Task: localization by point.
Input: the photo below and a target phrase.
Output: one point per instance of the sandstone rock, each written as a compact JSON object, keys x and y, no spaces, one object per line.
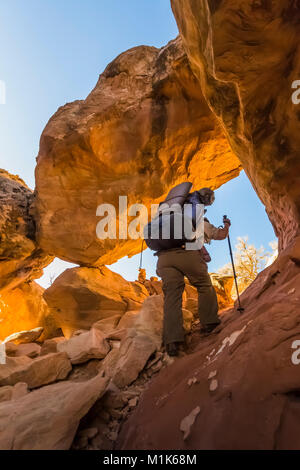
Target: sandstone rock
{"x":191,"y":304}
{"x":13,"y":364}
{"x":6,"y":393}
{"x":223,"y":286}
{"x":117,"y":335}
{"x":82,"y":348}
{"x":35,"y":372}
{"x":117,"y":414}
{"x":168,"y":361}
{"x":134,"y":353}
{"x":213,"y":385}
{"x":128,"y":320}
{"x":190,"y":291}
{"x":80,"y":297}
{"x":233,"y":64}
{"x":188,"y":319}
{"x":150,"y":319}
{"x":142,"y":276}
{"x":114,"y":400}
{"x":50,"y":345}
{"x":192,"y":381}
{"x":19,"y":390}
{"x":158,"y":357}
{"x":212,"y":374}
{"x":9,"y":392}
{"x":107,"y":325}
{"x":79,"y":332}
{"x":31,"y":350}
{"x":89,"y":433}
{"x":109,"y":363}
{"x":187,"y":423}
{"x":163,"y":132}
{"x":112,"y":436}
{"x":23,"y":337}
{"x":115,"y":344}
{"x":82,"y":442}
{"x":24,"y":308}
{"x":132,"y":392}
{"x":156,"y":367}
{"x":85,"y":371}
{"x":57,"y":410}
{"x":104,"y":416}
{"x":21,"y":258}
{"x":133,"y":402}
{"x":11,"y":349}
{"x":153,"y":286}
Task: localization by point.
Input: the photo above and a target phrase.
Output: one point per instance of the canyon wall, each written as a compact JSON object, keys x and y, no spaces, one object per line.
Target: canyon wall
{"x":246,"y":55}
{"x":21,"y":259}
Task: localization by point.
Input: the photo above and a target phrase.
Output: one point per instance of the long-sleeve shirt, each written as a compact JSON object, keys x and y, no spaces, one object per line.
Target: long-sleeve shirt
{"x":213,"y":233}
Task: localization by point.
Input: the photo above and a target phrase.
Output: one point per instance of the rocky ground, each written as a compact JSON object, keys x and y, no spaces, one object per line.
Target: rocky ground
{"x":241,"y":381}
{"x":98,"y":374}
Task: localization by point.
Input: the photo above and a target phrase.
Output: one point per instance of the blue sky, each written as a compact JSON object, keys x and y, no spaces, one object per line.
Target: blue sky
{"x":52,"y":52}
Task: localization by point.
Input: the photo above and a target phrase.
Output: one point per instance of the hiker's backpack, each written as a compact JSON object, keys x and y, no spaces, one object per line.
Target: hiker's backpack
{"x":154,"y":230}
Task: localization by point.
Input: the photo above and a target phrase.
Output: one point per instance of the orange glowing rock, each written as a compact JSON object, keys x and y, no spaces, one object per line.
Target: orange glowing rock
{"x":24,"y":308}
{"x":144,"y":128}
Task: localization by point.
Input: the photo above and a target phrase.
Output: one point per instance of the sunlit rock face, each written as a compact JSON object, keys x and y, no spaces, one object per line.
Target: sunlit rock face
{"x":20,"y":258}
{"x":246,"y":55}
{"x":223,"y":287}
{"x":24,"y":308}
{"x":80,"y":297}
{"x":144,"y":128}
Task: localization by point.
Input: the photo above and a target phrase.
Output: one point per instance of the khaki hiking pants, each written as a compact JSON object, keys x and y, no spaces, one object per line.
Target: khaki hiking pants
{"x":172,"y":266}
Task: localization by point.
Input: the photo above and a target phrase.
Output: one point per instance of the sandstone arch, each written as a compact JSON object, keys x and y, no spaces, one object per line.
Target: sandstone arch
{"x":145,"y":127}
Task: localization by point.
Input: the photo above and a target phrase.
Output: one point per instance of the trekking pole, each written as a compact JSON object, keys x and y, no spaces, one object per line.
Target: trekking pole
{"x":240,"y":309}
{"x":141,"y":256}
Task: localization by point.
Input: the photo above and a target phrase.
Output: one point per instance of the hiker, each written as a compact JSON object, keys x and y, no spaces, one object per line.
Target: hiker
{"x":176,"y":262}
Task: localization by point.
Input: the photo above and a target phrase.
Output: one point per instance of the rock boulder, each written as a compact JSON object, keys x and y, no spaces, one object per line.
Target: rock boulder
{"x":57,"y":410}
{"x":82,"y":348}
{"x":23,"y":309}
{"x":80,"y":297}
{"x":35,"y":372}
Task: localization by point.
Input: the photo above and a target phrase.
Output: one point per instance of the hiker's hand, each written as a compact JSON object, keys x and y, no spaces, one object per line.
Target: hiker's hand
{"x":226,"y":221}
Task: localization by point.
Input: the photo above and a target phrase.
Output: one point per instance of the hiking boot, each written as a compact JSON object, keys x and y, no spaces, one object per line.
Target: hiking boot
{"x":207,"y":329}
{"x":172,"y":349}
